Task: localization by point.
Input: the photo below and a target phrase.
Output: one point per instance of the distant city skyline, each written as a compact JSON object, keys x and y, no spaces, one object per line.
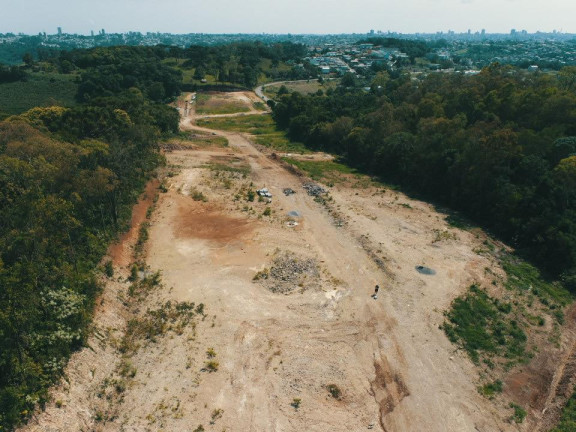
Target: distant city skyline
{"x":296,"y":16}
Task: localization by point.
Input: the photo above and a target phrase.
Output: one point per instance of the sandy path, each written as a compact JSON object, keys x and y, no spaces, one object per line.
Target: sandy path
{"x":395,"y":368}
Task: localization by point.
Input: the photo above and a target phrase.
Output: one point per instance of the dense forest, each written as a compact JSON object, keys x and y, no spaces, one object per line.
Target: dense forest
{"x":123,"y":67}
{"x":500,"y":146}
{"x":68,"y":177}
{"x":242,"y":62}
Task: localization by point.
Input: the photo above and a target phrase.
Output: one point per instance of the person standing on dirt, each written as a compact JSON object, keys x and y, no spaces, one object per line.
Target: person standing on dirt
{"x":375,"y":295}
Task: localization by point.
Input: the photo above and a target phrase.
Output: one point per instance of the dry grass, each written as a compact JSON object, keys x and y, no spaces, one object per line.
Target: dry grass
{"x":208,"y":103}
{"x":304,"y":87}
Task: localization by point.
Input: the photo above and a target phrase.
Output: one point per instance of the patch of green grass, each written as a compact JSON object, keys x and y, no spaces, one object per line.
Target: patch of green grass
{"x":568,"y":419}
{"x":279,"y":142}
{"x":525,"y":277}
{"x":490,"y":389}
{"x":215,"y":104}
{"x":304,"y":87}
{"x":329,"y":171}
{"x":235,"y":167}
{"x":260,"y":124}
{"x":39,"y":90}
{"x":483,"y":326}
{"x":197,"y":139}
{"x":519,"y":413}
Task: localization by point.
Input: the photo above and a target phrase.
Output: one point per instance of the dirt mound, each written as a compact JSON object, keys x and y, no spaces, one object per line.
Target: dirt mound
{"x":289,"y":272}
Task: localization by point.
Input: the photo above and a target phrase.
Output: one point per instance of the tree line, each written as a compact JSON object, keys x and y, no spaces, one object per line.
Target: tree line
{"x":500,"y":146}
{"x":68,"y":180}
{"x":242,"y":62}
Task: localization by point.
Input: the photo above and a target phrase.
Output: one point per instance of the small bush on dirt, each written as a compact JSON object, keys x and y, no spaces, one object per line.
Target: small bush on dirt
{"x":120,"y":386}
{"x":133,"y":273}
{"x":519,"y":413}
{"x":524,"y":277}
{"x":126,"y":369}
{"x":296,"y":403}
{"x":443,"y":236}
{"x":334,"y":391}
{"x":212,"y":366}
{"x":109,"y":269}
{"x":490,"y":389}
{"x":211,"y":353}
{"x":197,"y":195}
{"x":142,"y":238}
{"x":216,"y":414}
{"x":263,"y":274}
{"x":142,"y":287}
{"x":267,"y":211}
{"x":200,"y":309}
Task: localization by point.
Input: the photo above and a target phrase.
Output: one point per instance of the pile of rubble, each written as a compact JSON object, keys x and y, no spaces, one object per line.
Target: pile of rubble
{"x":288,"y":272}
{"x":313,"y":189}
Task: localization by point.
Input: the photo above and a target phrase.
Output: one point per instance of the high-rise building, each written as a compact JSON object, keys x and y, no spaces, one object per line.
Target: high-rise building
{"x":59,"y":31}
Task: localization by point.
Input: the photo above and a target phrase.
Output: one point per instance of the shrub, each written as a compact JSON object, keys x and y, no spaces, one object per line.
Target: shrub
{"x":334,"y":391}
{"x":109,"y":269}
{"x":519,"y":413}
{"x":490,"y":389}
{"x":212,"y":365}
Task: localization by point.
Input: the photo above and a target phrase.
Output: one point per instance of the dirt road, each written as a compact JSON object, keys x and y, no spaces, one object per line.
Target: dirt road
{"x":305,"y":347}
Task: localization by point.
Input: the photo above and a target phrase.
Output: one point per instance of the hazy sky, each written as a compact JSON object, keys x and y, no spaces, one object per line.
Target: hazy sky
{"x":287,"y":16}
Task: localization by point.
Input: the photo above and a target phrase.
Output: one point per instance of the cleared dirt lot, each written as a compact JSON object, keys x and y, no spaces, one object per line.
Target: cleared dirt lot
{"x":274,"y":355}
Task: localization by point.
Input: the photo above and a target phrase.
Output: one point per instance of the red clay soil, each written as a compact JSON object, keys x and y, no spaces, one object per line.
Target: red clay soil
{"x":207,"y":223}
{"x":121,"y":251}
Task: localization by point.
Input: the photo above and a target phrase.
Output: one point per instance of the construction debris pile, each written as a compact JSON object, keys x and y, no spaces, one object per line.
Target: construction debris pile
{"x":289,"y":272}
{"x":313,"y":189}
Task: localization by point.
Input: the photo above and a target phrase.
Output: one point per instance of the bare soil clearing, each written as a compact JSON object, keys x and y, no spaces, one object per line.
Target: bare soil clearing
{"x":277,"y":354}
